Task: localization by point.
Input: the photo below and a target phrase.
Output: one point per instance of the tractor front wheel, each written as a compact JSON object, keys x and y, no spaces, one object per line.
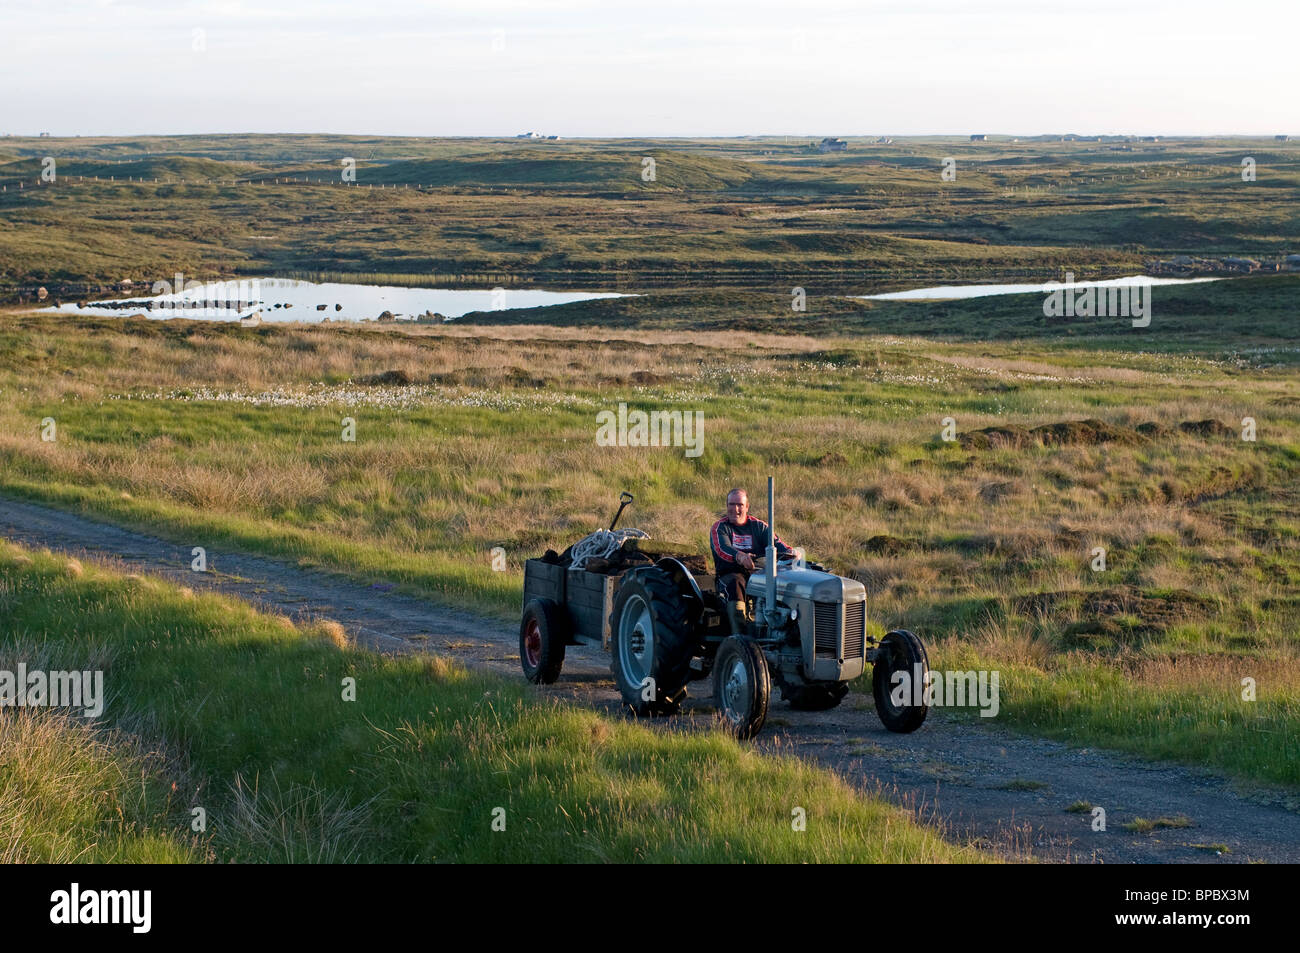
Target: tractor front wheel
{"x":742,"y":686}
{"x":900,"y":702}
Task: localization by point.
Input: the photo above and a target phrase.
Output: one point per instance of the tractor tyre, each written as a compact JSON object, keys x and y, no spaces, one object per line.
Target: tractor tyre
{"x":651,"y":641}
{"x":742,"y":686}
{"x":901,"y":651}
{"x":542,"y":637}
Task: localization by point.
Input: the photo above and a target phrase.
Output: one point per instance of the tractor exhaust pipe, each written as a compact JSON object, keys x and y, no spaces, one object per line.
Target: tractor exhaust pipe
{"x":771,"y":554}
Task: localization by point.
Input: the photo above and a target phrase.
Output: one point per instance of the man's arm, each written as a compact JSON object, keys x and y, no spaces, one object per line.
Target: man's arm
{"x":720,"y":542}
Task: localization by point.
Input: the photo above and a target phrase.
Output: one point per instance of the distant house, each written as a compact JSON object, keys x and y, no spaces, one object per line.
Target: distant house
{"x":1282,"y":138}
{"x":979,"y":138}
{"x":552,"y":137}
{"x":832,"y":145}
{"x":529,"y":135}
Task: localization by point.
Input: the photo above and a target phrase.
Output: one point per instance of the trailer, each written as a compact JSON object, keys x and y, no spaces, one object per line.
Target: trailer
{"x":565,"y":606}
{"x":583,"y":600}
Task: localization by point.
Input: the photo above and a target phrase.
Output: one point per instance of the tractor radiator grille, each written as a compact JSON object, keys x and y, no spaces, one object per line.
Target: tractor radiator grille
{"x":826,"y":629}
{"x":855,"y":621}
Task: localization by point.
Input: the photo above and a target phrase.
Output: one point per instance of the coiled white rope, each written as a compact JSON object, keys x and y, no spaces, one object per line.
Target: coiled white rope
{"x":601,"y":545}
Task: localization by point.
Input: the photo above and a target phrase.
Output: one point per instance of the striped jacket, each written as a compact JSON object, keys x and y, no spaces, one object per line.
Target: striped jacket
{"x":726,"y":539}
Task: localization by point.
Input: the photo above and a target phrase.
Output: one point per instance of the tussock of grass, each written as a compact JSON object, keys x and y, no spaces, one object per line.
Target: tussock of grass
{"x":332,"y":632}
{"x":1023,"y":784}
{"x":1142,"y":825}
{"x":72,"y":793}
{"x":300,"y":824}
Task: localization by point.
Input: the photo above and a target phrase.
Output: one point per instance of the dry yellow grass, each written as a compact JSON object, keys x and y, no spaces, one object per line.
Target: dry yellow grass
{"x":1011,"y":369}
{"x":1216,"y":673}
{"x":332,"y":632}
{"x":308,"y":353}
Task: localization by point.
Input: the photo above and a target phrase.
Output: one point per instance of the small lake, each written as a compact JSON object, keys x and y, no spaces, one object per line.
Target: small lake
{"x":284,"y":300}
{"x":951,"y":292}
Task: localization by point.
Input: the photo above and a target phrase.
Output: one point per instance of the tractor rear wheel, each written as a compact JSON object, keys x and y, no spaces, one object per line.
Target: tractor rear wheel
{"x":651,"y":641}
{"x":742,"y":686}
{"x":901,"y":707}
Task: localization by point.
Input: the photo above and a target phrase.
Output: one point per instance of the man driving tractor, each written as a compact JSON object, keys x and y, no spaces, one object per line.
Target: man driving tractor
{"x":735,"y":540}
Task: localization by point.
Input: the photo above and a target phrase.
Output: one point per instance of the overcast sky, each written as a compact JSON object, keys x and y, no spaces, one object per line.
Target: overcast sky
{"x":650,"y":67}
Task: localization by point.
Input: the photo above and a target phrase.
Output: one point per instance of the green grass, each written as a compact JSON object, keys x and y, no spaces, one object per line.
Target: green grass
{"x":1189,"y":710}
{"x":70,"y":794}
{"x":416,"y":769}
{"x":447,"y":579}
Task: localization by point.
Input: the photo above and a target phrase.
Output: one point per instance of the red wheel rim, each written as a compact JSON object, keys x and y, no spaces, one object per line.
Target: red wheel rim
{"x":533,"y":643}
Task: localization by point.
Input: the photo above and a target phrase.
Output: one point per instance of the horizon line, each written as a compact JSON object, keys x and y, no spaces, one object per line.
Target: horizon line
{"x":577,"y":138}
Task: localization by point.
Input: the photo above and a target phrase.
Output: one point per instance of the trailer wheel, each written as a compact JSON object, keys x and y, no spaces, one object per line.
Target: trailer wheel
{"x":742,"y":686}
{"x":900,"y":651}
{"x":541,"y":642}
{"x":651,"y":642}
{"x":817,"y":697}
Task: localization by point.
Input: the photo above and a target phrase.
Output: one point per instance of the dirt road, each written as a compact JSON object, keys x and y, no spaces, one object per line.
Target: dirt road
{"x":976,"y":781}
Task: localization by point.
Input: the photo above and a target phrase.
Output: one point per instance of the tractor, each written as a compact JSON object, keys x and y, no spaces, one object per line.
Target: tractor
{"x":803,"y":630}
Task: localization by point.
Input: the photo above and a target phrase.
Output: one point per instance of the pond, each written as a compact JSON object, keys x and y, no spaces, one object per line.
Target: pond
{"x":283,"y":300}
{"x":951,"y":292}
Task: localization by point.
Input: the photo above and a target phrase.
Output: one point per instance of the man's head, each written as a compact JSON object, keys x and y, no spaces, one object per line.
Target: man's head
{"x":737,"y":507}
